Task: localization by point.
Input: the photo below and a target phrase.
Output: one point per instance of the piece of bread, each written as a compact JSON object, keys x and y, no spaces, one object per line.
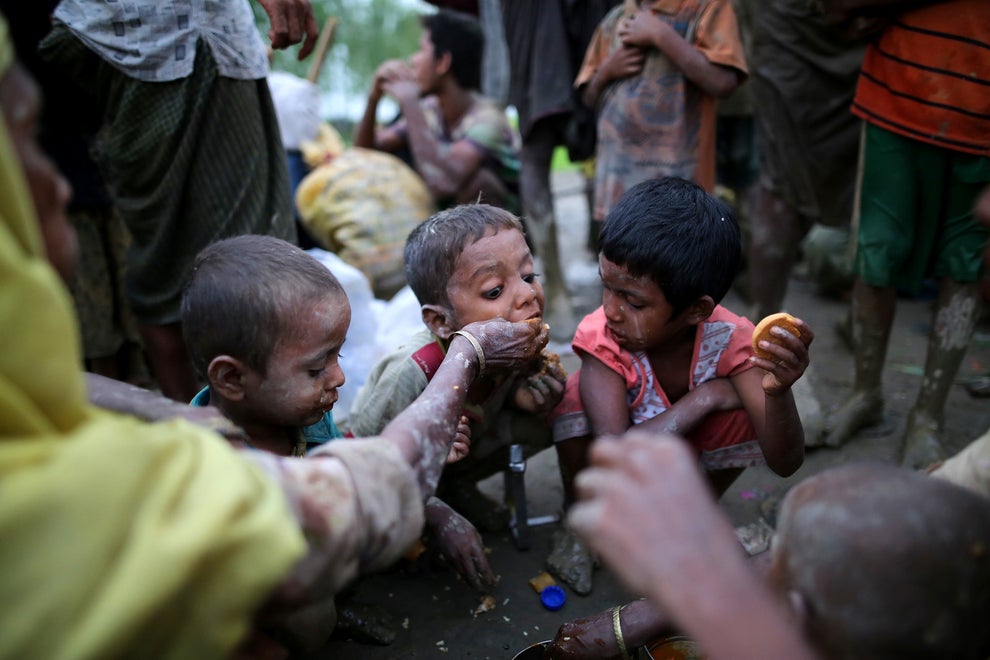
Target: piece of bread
{"x":762,"y":331}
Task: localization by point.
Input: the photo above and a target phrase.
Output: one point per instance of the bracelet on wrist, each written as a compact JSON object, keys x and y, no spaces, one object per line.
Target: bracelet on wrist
{"x":477,"y":348}
{"x":617,"y":629}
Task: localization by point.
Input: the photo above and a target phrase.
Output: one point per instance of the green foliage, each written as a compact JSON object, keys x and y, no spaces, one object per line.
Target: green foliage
{"x":368,"y":33}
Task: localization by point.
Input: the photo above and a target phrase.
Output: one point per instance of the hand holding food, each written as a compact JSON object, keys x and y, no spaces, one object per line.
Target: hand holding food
{"x":780,"y":346}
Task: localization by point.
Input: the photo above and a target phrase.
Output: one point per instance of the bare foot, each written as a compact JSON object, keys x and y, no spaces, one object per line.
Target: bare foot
{"x":860,"y":410}
{"x":922,"y":446}
{"x":571,"y":561}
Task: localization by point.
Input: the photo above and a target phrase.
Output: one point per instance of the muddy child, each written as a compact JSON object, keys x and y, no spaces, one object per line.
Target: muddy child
{"x":654,"y":71}
{"x":265,"y":322}
{"x":662,"y":353}
{"x":468,"y":263}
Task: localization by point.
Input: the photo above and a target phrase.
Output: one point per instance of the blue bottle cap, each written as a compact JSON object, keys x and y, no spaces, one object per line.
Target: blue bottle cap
{"x":553,"y":597}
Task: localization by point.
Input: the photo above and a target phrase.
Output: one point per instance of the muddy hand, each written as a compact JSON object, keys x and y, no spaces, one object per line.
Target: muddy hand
{"x":584,"y":639}
{"x":509,"y":345}
{"x":539,"y":393}
{"x":461,"y":544}
{"x":789,"y":361}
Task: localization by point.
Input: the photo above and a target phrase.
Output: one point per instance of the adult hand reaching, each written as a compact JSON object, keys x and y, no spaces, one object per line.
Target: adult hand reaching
{"x":646,"y":509}
{"x":508,"y":345}
{"x":291,"y":21}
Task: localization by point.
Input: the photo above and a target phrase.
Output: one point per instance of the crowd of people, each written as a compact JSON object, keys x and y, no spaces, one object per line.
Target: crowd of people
{"x":222,"y":510}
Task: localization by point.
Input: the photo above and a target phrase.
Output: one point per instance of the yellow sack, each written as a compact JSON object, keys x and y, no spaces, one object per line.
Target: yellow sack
{"x":362,"y":205}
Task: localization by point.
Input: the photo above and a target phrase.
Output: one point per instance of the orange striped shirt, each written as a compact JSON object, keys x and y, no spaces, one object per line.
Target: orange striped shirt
{"x":927,"y":77}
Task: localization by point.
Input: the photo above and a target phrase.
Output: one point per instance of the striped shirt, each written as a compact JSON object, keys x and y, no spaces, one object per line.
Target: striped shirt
{"x":927,"y":77}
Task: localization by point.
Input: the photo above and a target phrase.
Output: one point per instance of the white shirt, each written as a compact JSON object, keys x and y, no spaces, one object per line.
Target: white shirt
{"x":155,"y":40}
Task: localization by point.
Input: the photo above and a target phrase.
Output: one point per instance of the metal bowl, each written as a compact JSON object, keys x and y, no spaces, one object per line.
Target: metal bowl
{"x":674,"y":647}
{"x":533,"y":652}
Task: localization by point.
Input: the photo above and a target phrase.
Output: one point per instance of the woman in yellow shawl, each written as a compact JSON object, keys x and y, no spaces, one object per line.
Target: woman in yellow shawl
{"x":122,"y":538}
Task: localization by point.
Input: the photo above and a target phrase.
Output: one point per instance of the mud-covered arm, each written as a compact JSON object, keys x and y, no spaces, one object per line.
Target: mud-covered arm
{"x":716,"y":395}
{"x":603,"y":394}
{"x":593,"y":636}
{"x":460,"y":542}
{"x":425,"y":430}
{"x":121,"y":397}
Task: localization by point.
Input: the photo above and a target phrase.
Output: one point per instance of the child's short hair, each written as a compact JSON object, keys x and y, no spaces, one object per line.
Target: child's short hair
{"x":240,"y":294}
{"x":674,"y":232}
{"x":460,"y":35}
{"x":433,"y":247}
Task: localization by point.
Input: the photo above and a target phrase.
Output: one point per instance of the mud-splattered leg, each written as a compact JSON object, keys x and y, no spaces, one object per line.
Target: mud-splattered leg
{"x":873,"y":315}
{"x":955,"y":319}
{"x":776,"y":231}
{"x":541,"y":225}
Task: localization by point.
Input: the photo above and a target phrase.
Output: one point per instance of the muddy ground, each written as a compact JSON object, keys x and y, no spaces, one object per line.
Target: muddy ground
{"x":435,"y":614}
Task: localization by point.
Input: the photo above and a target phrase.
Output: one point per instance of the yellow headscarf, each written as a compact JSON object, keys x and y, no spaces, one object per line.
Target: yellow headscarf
{"x":117,"y":537}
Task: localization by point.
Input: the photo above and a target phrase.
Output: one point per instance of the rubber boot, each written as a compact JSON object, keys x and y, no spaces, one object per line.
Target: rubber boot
{"x":873,"y":316}
{"x":956,"y":313}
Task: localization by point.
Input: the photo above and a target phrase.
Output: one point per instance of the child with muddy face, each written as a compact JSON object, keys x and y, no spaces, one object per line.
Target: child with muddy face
{"x":265,"y":323}
{"x":468,"y":263}
{"x":663,"y":354}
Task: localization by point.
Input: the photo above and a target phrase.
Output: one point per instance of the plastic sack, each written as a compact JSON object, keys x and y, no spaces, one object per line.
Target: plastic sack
{"x":362,"y":205}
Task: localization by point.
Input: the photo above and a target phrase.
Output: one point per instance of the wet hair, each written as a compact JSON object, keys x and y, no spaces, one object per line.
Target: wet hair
{"x":242,"y":295}
{"x":460,"y":35}
{"x":433,"y":246}
{"x":683,"y":238}
{"x":890,"y":563}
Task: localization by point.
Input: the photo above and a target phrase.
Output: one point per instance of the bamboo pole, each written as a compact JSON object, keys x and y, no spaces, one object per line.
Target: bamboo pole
{"x":322,"y":48}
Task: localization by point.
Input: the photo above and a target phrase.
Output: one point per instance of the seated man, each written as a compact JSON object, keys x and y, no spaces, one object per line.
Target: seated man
{"x":457,"y":140}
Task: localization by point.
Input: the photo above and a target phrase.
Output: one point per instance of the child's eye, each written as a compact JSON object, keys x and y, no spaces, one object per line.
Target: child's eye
{"x":532,"y":277}
{"x":492,"y":294}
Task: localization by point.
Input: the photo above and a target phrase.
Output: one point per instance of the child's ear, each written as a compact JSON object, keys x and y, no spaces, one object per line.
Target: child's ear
{"x":699,"y":310}
{"x":226,"y":377}
{"x":443,"y":63}
{"x":438,"y":320}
